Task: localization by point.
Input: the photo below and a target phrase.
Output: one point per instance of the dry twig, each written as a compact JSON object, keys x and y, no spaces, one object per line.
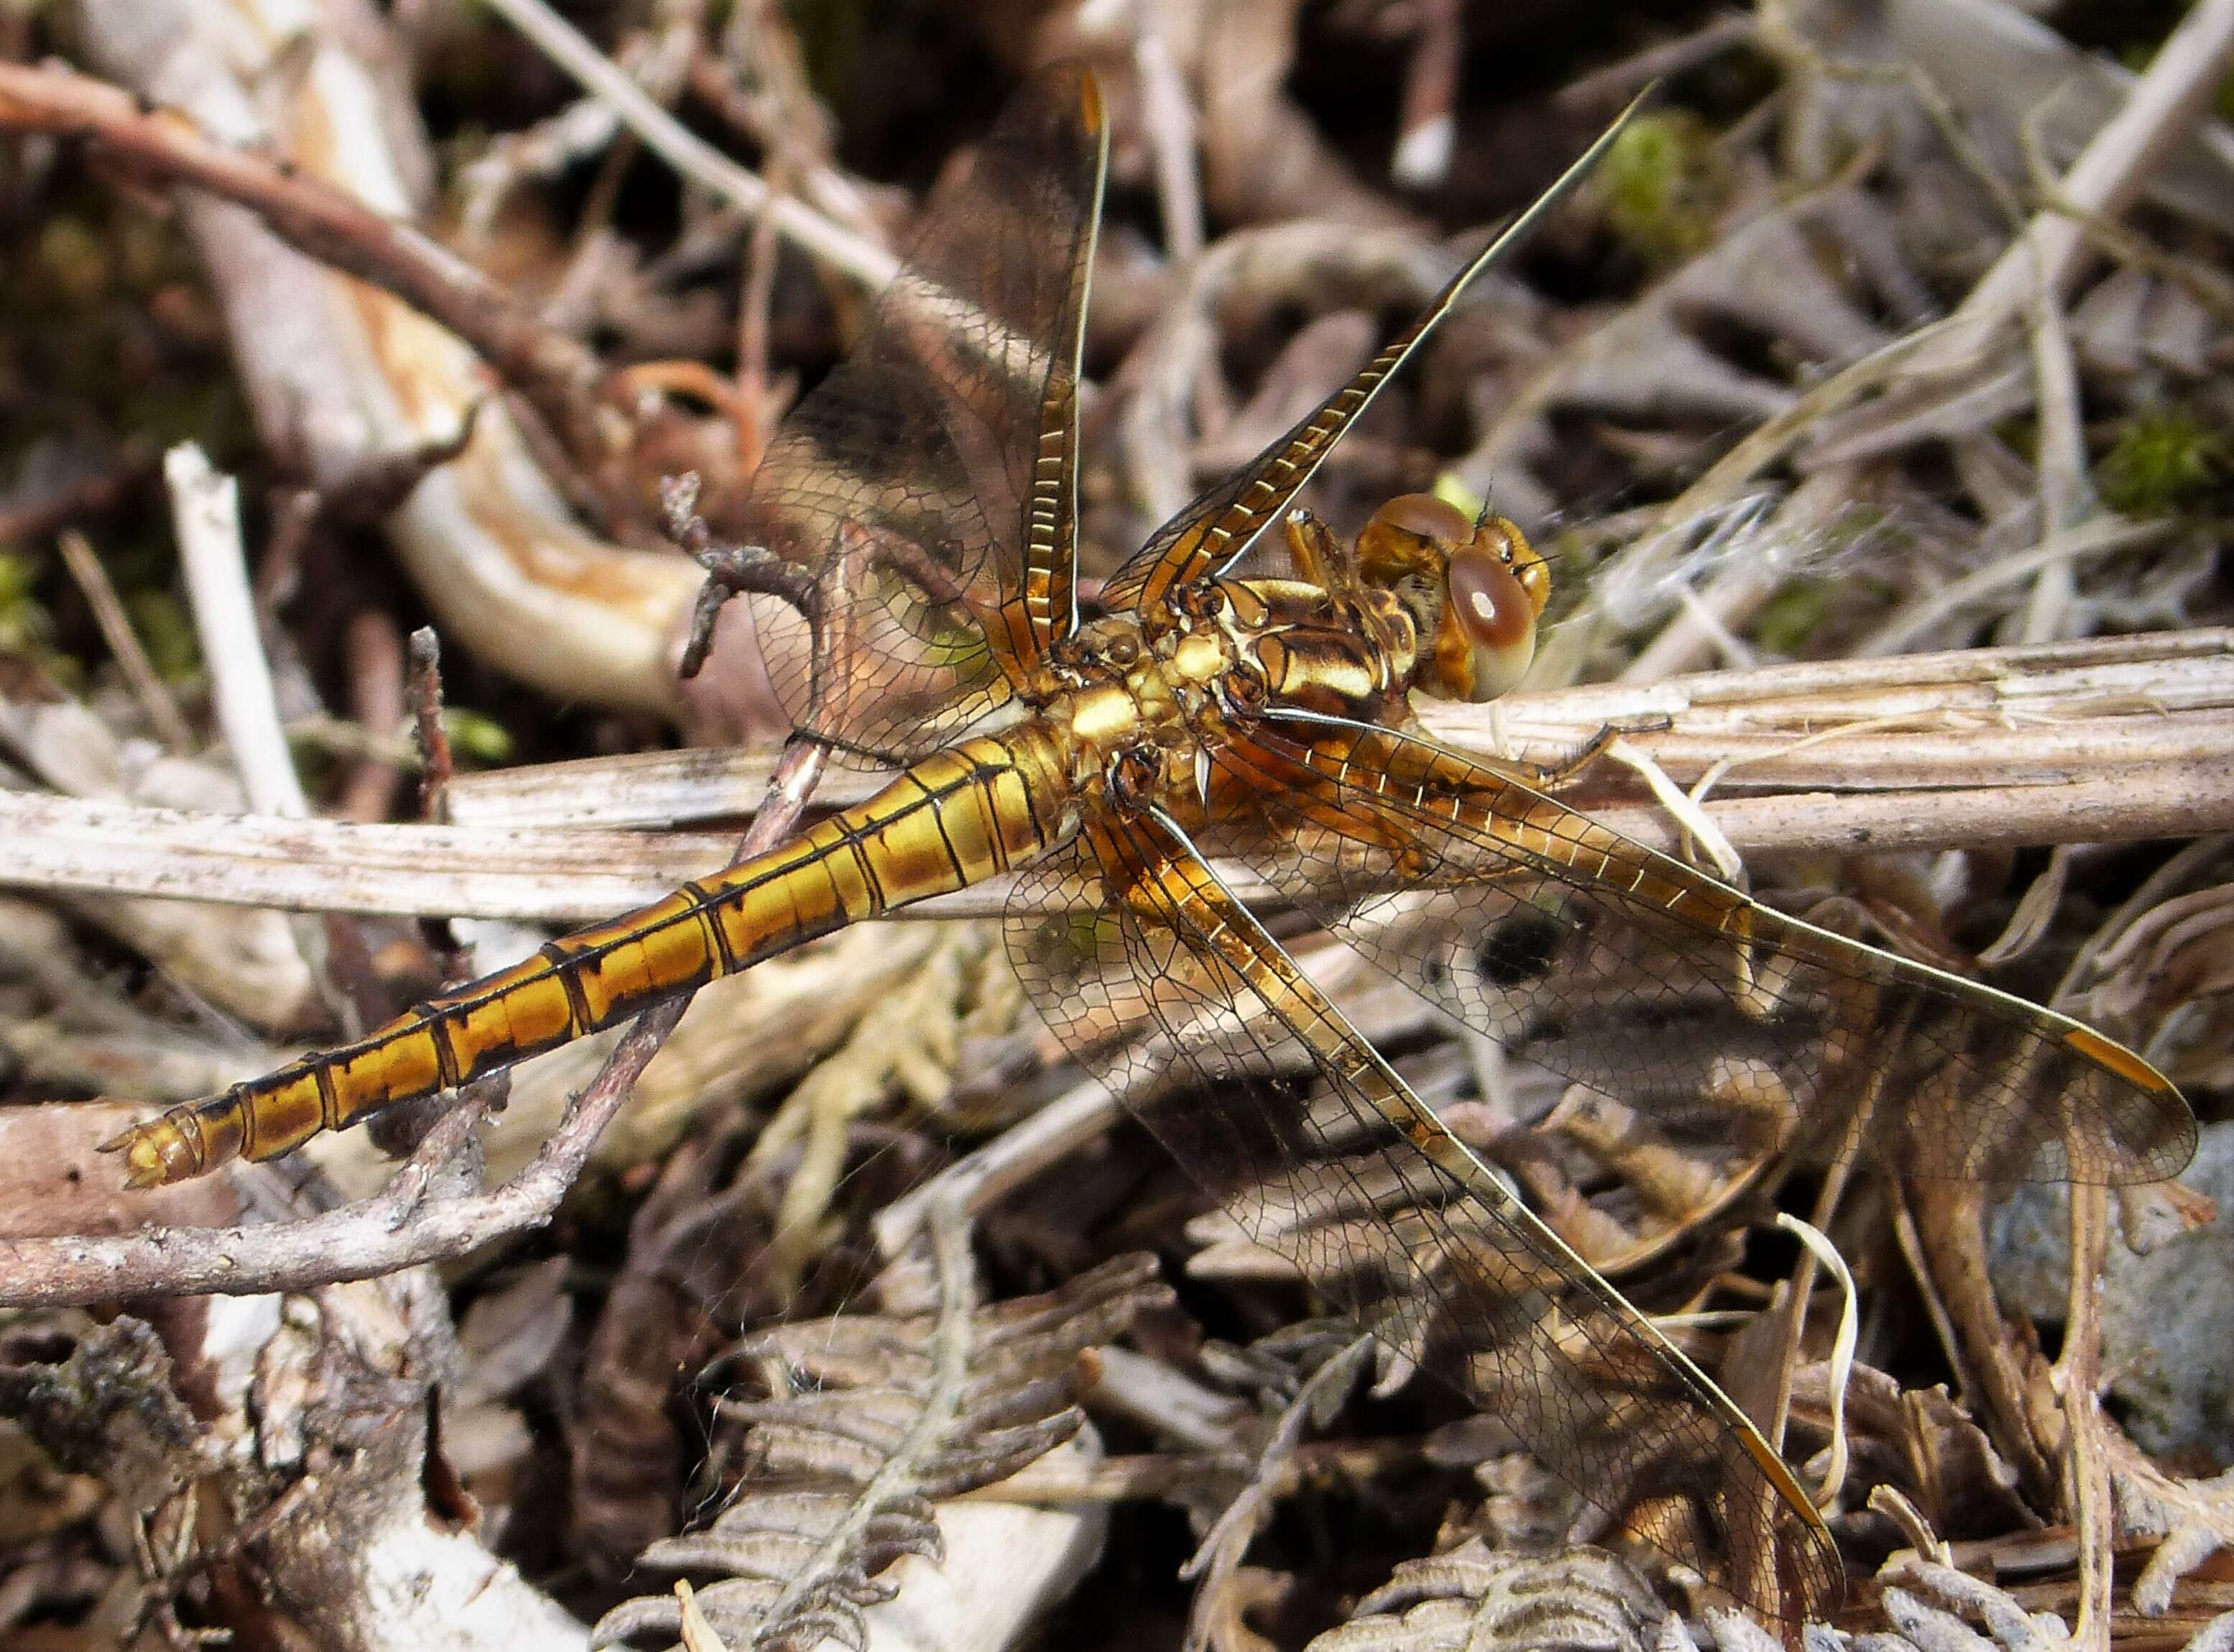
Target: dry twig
{"x":166,"y":147}
{"x":835,"y":245}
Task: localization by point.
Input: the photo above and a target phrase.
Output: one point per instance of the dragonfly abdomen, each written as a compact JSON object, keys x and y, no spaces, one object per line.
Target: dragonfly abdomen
{"x":956,"y":819}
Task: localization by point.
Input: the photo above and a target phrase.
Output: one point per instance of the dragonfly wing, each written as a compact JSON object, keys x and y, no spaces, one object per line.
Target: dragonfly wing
{"x":1220,"y":525}
{"x":1614,"y":965}
{"x":1385,"y":1213}
{"x":927,"y":480}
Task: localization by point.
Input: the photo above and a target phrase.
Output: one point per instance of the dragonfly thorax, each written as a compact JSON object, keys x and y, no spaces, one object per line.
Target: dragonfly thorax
{"x":1301,"y":646}
{"x":1139,"y":697}
{"x":1118,"y":699}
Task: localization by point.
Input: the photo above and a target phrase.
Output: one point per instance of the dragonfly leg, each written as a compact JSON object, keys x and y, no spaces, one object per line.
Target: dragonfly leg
{"x":1553,"y":775}
{"x":1314,"y":552}
{"x":1550,"y":777}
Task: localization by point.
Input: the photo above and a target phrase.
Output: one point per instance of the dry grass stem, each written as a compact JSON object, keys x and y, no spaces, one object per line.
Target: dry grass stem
{"x":865,"y":262}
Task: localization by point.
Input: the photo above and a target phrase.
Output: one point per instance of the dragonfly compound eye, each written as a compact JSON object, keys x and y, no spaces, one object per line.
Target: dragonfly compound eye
{"x":1411,"y":534}
{"x":1488,"y":631}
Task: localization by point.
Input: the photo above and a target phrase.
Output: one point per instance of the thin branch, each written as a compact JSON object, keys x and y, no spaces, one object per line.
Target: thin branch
{"x":755,"y":80}
{"x":2067,"y":498}
{"x":2096,"y":537}
{"x":1620,"y":80}
{"x":2158,"y":112}
{"x":373,"y":651}
{"x":84,"y":565}
{"x":557,"y":373}
{"x":396,"y":1230}
{"x":34,"y":514}
{"x":1167,"y":114}
{"x":755,"y":408}
{"x":832,"y":244}
{"x":428,"y":733}
{"x":1426,"y":126}
{"x":1737,"y":589}
{"x":731,"y":570}
{"x":91,"y":847}
{"x":979,"y":1181}
{"x":2078,"y":1378}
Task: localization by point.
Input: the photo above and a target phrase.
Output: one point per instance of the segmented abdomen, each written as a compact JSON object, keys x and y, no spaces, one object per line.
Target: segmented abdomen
{"x":956,"y":819}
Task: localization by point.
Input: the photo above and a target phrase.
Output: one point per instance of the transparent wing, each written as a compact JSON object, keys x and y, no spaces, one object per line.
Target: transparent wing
{"x":1220,"y":525}
{"x":1387,"y":1215}
{"x":1616,"y":966}
{"x":927,"y":481}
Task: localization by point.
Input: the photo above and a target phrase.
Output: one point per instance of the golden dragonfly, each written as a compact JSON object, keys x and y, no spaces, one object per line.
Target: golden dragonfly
{"x":919,"y":508}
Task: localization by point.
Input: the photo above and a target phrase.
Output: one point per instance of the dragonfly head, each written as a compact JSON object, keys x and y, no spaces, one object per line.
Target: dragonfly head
{"x":1474,"y":588}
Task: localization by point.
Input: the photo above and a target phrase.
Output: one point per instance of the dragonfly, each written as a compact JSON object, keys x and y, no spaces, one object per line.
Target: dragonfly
{"x":920,"y":509}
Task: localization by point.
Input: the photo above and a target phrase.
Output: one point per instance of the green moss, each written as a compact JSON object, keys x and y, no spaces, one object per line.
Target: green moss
{"x":2163,"y":460}
{"x":1663,"y":185}
{"x":16,"y":577}
{"x":159,"y":621}
{"x":468,"y":70}
{"x":476,"y":739}
{"x":830,"y":33}
{"x":24,"y":623}
{"x":1789,"y":618}
{"x":27,"y":627}
{"x":93,"y":336}
{"x":168,"y":409}
{"x":73,"y":256}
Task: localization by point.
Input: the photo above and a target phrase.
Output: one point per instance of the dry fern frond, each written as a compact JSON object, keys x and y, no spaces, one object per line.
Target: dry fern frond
{"x":1927,"y":1604}
{"x":1472,"y":1600}
{"x":2173,"y":966}
{"x":1227,"y":1587}
{"x":871,"y":1419}
{"x":909,"y":1042}
{"x":2193,"y":1520}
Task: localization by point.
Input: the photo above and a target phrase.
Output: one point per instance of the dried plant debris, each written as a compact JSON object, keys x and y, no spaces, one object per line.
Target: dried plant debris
{"x":106,"y":1411}
{"x":692,"y":1278}
{"x":1922,"y":1444}
{"x":109,"y":1409}
{"x":868,"y":1421}
{"x":1471,"y":1600}
{"x":1884,"y":329}
{"x":288,"y":1476}
{"x":1469,"y":1597}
